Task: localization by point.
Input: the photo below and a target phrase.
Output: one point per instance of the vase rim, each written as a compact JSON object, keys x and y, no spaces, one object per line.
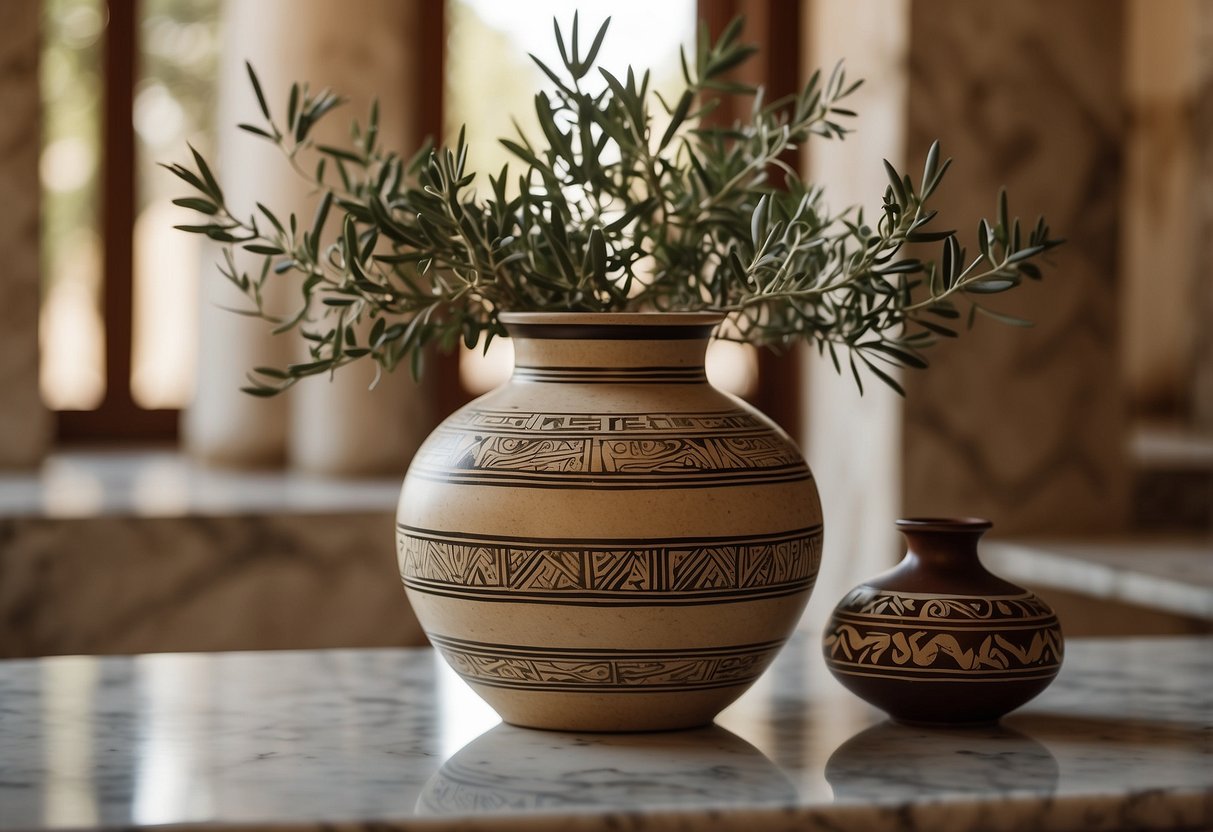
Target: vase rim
{"x":611,"y":326}
{"x":944,"y":524}
{"x":611,"y":318}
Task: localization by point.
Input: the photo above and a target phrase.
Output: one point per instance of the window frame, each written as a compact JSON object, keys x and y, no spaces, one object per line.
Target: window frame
{"x":774,"y":26}
{"x":118,"y":417}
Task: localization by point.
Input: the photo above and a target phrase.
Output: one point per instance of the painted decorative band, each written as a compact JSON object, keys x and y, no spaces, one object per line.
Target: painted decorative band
{"x":605,"y":670}
{"x":649,"y":572}
{"x":612,"y":375}
{"x":667,"y":482}
{"x":955,"y":625}
{"x":483,"y":455}
{"x":947,"y":677}
{"x":927,"y":653}
{"x":878,"y":605}
{"x":587,"y":425}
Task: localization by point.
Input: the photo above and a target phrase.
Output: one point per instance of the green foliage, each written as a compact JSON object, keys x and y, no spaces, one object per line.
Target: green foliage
{"x":617,"y":208}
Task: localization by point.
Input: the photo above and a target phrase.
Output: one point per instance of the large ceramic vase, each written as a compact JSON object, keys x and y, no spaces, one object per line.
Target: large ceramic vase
{"x":607,"y":542}
{"x":938,"y":639}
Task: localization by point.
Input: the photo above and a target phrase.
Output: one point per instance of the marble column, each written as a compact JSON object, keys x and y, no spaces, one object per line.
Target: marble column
{"x":223,"y":425}
{"x":362,"y":50}
{"x":1025,"y":427}
{"x":853,"y":441}
{"x":24,"y":420}
{"x":341,"y":426}
{"x":1160,"y":216}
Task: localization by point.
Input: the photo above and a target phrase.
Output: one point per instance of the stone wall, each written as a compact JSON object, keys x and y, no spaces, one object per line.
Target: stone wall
{"x":130,"y":584}
{"x":362,"y":49}
{"x":1025,"y":426}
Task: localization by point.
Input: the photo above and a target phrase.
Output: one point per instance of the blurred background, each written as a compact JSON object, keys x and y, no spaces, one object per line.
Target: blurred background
{"x":145,"y":504}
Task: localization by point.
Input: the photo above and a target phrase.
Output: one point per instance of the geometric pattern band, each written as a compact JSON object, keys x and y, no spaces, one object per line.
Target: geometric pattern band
{"x":612,"y":423}
{"x":606,"y":670}
{"x":646,"y":572}
{"x":607,"y":450}
{"x":663,"y":462}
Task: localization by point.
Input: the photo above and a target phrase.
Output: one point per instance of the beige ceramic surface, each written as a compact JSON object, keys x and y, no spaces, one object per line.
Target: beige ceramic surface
{"x":607,"y":542}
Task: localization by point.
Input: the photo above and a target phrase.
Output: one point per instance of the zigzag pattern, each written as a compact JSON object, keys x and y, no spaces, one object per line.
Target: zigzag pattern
{"x":430,"y":562}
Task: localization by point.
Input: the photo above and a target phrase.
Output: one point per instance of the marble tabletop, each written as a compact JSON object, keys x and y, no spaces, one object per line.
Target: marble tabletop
{"x":391,"y":739}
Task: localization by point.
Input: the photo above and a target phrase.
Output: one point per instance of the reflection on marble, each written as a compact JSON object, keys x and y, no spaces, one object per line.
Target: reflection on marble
{"x":347,"y":739}
{"x":509,"y":769}
{"x":924,"y":758}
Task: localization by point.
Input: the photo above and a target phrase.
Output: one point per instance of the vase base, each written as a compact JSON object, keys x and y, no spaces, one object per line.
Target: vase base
{"x":622,"y":713}
{"x":986,"y":722}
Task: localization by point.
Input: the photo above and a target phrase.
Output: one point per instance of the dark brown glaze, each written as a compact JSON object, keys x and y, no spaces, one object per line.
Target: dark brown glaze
{"x":938,"y":639}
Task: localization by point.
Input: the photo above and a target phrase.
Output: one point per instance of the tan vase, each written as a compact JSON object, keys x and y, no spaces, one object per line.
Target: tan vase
{"x":607,"y":542}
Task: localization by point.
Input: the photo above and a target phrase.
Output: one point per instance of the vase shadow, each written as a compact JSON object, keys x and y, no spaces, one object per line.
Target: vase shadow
{"x":891,"y":759}
{"x":511,"y":769}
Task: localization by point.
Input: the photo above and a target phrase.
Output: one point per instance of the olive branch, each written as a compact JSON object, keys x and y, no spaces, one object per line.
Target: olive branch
{"x":627,"y":202}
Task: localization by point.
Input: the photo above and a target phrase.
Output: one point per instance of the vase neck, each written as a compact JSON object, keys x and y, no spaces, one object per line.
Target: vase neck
{"x":947,"y":550}
{"x":942,"y":559}
{"x":641,"y":345}
{"x":946,"y":546}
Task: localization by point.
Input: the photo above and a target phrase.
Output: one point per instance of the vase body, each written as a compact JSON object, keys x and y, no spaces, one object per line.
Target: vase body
{"x":607,"y":542}
{"x":938,"y":639}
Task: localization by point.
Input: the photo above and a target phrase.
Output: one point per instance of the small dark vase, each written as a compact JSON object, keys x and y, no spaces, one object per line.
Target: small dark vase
{"x":938,"y":639}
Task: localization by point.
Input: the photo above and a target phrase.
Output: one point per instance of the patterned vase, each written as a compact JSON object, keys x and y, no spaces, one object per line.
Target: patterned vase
{"x":938,"y":639}
{"x":607,"y":542}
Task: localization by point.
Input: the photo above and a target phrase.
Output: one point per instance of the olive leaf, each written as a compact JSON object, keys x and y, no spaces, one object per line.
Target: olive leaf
{"x":627,"y":202}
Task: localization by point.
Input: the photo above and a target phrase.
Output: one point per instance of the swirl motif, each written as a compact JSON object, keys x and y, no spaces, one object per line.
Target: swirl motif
{"x":925,"y":649}
{"x":869,"y":601}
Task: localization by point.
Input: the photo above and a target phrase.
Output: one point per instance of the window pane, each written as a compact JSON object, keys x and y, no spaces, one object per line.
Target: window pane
{"x":70,"y":326}
{"x":174,"y":103}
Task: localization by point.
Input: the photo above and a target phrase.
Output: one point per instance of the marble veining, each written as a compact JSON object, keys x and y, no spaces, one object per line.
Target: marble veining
{"x":1024,"y":427}
{"x":347,"y":739}
{"x":226,"y":559}
{"x":275,"y":580}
